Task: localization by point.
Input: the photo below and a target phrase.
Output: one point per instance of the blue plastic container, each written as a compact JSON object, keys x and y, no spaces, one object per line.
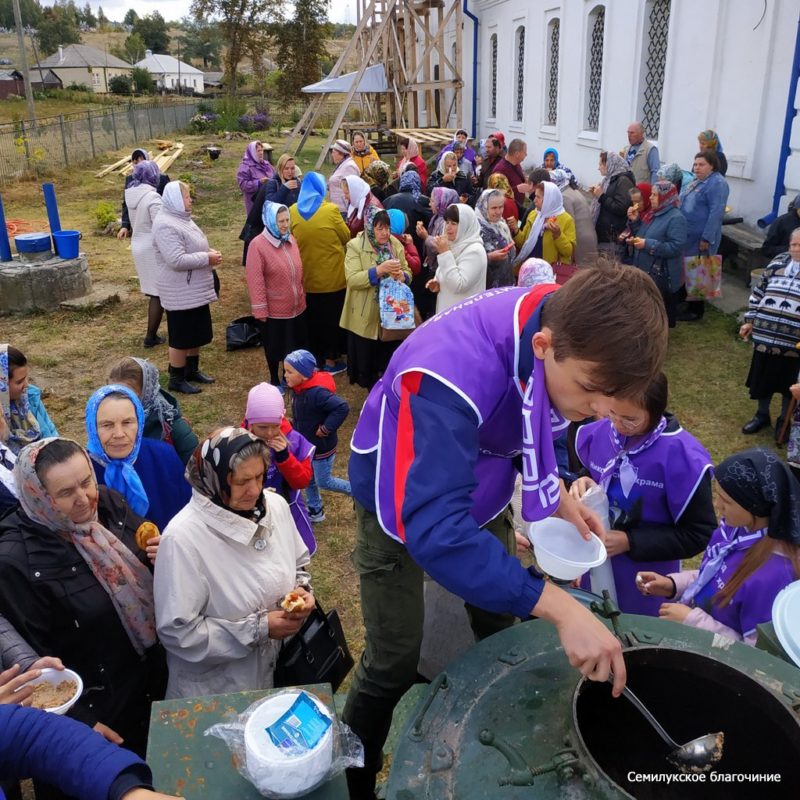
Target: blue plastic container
{"x":32,"y":242}
{"x":67,"y":243}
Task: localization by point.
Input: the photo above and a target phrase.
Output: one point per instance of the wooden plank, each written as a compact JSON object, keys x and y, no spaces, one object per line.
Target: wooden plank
{"x":116,"y":165}
{"x":460,"y":66}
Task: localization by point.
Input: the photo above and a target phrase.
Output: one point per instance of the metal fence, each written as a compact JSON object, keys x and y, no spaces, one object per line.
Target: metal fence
{"x":71,"y":139}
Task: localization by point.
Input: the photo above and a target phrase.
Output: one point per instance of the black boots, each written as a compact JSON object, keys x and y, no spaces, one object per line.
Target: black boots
{"x":193,"y":371}
{"x":178,"y":382}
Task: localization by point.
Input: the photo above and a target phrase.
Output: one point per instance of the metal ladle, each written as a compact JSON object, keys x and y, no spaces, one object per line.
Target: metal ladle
{"x":698,"y":755}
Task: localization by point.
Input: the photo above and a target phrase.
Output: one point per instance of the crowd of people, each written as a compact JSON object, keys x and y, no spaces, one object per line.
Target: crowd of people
{"x":152,"y":559}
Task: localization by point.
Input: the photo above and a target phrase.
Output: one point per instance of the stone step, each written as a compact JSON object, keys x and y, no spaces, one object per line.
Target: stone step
{"x":101,"y":295}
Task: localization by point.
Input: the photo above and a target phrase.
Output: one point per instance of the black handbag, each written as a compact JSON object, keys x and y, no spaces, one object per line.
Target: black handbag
{"x":241,"y":333}
{"x":317,"y":653}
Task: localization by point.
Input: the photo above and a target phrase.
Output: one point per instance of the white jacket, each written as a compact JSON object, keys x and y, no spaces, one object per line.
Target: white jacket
{"x":213,"y":590}
{"x":144,"y":204}
{"x":459,"y":280}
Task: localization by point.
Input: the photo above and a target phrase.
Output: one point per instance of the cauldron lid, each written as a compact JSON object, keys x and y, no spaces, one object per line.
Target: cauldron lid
{"x":786,"y":620}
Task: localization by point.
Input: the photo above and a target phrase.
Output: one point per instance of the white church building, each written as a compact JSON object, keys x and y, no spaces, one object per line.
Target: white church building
{"x":571,"y":74}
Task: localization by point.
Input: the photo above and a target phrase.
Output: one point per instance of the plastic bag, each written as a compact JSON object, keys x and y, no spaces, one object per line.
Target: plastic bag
{"x":289,"y":743}
{"x":396,"y":303}
{"x":242,"y":332}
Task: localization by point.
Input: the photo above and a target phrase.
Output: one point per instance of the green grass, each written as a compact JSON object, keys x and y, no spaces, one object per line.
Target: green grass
{"x":72,"y":353}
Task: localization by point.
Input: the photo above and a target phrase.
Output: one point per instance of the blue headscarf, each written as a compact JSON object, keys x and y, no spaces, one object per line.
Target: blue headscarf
{"x":397,"y":221}
{"x":312,"y":193}
{"x":411,"y":182}
{"x":269,"y":216}
{"x":120,"y":474}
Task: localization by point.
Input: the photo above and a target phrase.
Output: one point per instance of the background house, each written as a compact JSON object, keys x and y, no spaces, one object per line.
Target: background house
{"x":11,"y":83}
{"x":571,"y":74}
{"x":170,"y":73}
{"x":84,"y":65}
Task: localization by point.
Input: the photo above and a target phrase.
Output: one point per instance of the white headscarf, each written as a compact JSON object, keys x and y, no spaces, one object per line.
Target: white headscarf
{"x":173,"y":197}
{"x":469,"y":231}
{"x":442,"y":166}
{"x":359,"y":191}
{"x":552,"y":206}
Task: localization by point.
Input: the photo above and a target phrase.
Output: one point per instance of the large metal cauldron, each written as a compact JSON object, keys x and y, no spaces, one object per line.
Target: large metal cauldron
{"x":511,"y":720}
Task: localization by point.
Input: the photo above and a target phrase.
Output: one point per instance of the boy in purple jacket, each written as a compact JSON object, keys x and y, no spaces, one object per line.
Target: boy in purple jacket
{"x":475,"y":395}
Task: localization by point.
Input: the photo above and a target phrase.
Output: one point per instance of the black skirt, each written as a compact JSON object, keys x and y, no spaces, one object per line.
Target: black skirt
{"x":367,"y":359}
{"x":325,"y":338}
{"x":771,"y":374}
{"x":280,"y":336}
{"x":189,"y":328}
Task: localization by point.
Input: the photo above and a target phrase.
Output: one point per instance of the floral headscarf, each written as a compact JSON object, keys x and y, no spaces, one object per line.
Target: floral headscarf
{"x":411,"y":182}
{"x":667,"y":196}
{"x":22,"y":425}
{"x":146,"y":172}
{"x":359,"y":195}
{"x":269,"y":216}
{"x":566,"y":170}
{"x":379,"y":171}
{"x":211,"y":463}
{"x":559,"y":177}
{"x":498,"y":181}
{"x":534,"y":272}
{"x":153,"y":402}
{"x":711,"y":139}
{"x":495,"y":235}
{"x":383,"y":252}
{"x":671,"y":172}
{"x":119,"y":472}
{"x":615,"y":165}
{"x":125,"y":579}
{"x":442,"y":197}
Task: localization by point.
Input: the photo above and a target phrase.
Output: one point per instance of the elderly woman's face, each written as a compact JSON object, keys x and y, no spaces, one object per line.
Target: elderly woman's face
{"x":337,"y":157}
{"x":73,"y":488}
{"x":246,"y":483}
{"x":451,"y":229}
{"x":701,"y":168}
{"x":538,"y":197}
{"x":462,"y":137}
{"x":550,"y":161}
{"x":345,"y":191}
{"x":451,"y":162}
{"x":282,"y":221}
{"x":259,"y":152}
{"x":117,"y":426}
{"x":187,"y":199}
{"x":794,"y":245}
{"x":602,"y":167}
{"x":654,"y":198}
{"x":382,"y":233}
{"x":494,"y":211}
{"x":288,"y":170}
{"x":358,"y":142}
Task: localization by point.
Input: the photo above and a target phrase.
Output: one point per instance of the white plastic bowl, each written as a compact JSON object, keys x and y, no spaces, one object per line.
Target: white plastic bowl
{"x":282,"y":773}
{"x":786,"y":620}
{"x":561,"y":551}
{"x":56,"y":676}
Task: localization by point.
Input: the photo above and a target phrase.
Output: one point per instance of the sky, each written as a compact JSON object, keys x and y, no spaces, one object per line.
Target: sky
{"x":340,"y":10}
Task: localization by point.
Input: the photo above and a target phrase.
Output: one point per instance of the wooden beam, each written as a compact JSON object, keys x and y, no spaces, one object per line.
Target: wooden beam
{"x":459,"y":65}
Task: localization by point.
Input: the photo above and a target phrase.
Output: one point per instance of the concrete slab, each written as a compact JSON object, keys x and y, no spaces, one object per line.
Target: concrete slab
{"x":734,"y":295}
{"x":100,"y":296}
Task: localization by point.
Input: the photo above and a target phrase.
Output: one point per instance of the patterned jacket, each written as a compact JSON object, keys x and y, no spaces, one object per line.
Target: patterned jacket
{"x":774,"y":308}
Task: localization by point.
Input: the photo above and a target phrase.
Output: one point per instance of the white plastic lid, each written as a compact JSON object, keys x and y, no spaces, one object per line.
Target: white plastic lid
{"x":786,"y":620}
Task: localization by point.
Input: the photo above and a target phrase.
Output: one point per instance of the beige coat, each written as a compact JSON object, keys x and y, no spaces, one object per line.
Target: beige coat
{"x":213,"y":590}
{"x":360,"y":313}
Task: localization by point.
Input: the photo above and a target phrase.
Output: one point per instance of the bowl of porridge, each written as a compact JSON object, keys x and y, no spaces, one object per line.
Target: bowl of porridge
{"x":56,"y":690}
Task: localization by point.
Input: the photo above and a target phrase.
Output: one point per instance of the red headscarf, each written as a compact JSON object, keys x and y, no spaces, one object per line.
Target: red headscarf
{"x":645,"y":210}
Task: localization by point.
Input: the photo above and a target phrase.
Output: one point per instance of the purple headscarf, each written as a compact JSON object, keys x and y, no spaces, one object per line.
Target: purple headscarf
{"x":443,"y":197}
{"x":146,"y":172}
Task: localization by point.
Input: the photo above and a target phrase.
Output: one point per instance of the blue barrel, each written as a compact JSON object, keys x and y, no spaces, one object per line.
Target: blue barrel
{"x":32,"y":242}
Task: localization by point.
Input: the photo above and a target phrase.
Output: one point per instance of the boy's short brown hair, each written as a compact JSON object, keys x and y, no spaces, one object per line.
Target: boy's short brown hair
{"x":612,"y":317}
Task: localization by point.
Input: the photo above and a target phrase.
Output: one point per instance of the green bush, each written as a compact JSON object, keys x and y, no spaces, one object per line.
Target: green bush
{"x":142,"y":80}
{"x":105,"y":213}
{"x":229,"y":109}
{"x":120,"y":84}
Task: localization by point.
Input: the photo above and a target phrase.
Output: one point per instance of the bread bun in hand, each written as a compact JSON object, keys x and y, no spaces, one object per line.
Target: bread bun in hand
{"x":293,"y":602}
{"x":144,"y":533}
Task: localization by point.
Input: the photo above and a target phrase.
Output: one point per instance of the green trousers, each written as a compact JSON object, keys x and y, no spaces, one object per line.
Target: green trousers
{"x":393,"y":610}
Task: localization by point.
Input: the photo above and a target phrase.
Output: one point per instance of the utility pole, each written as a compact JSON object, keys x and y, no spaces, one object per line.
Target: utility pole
{"x":23,"y":62}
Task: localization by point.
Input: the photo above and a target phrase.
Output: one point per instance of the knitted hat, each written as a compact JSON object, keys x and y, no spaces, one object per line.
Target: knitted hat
{"x":342,"y":146}
{"x":303,"y":361}
{"x":264,"y":404}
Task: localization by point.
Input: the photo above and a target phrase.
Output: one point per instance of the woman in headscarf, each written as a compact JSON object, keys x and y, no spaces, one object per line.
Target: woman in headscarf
{"x":163,"y":420}
{"x":449,"y":175}
{"x":359,"y":197}
{"x":703,"y":204}
{"x":497,"y":239}
{"x":146,"y":472}
{"x":254,"y":170}
{"x":274,"y":274}
{"x":753,"y":554}
{"x":411,"y":155}
{"x":461,"y":272}
{"x":657,"y":479}
{"x":138,"y":155}
{"x":344,"y":165}
{"x":510,"y":207}
{"x":8,"y":487}
{"x":377,"y":174}
{"x":534,"y":272}
{"x":322,"y":236}
{"x":75,"y":583}
{"x":372,"y":256}
{"x":224,"y":565}
{"x":549,"y":231}
{"x":709,"y":140}
{"x":578,"y":207}
{"x":658,"y":233}
{"x":550,"y":162}
{"x":363,"y":152}
{"x":144,"y":205}
{"x":186,"y":286}
{"x":611,"y":200}
{"x":21,"y":405}
{"x":781,"y":230}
